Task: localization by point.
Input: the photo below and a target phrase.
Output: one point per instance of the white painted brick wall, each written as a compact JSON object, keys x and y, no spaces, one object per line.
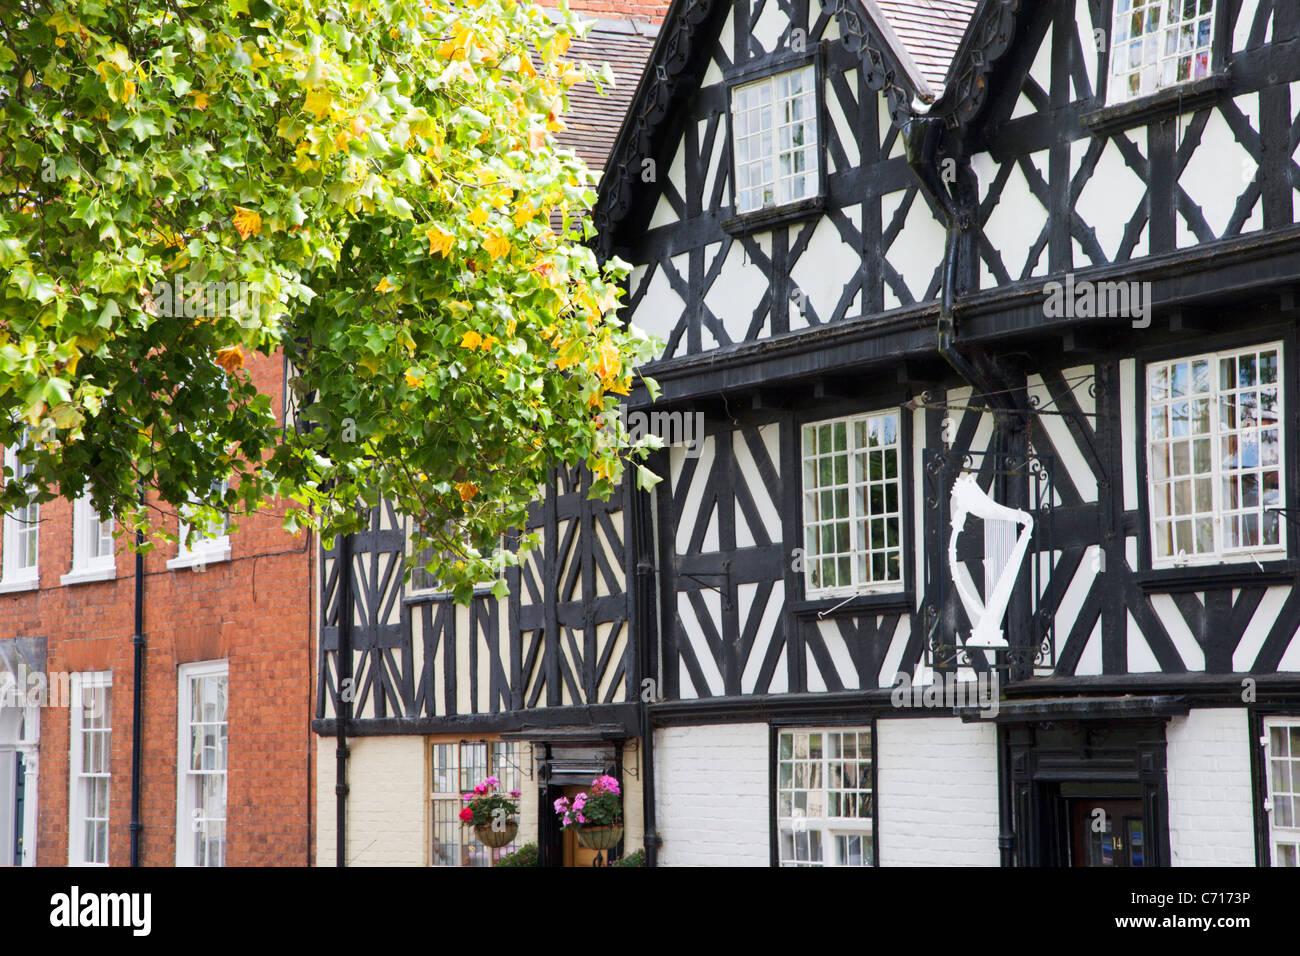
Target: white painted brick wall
{"x":387,"y":801}
{"x":1211,"y":816}
{"x":937,"y":781}
{"x":711,"y":792}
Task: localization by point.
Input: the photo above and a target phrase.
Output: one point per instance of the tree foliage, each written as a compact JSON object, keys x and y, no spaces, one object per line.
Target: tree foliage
{"x":366,"y":186}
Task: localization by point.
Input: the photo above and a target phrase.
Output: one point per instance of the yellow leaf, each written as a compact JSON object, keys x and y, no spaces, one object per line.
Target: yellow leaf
{"x":524,"y":213}
{"x":467,"y":490}
{"x":201,"y":100}
{"x":128,"y":91}
{"x":488,"y":342}
{"x":471,"y":340}
{"x":497,"y":245}
{"x":413,"y":380}
{"x":230,"y":358}
{"x":318,"y":104}
{"x":478,"y":216}
{"x":439,"y":241}
{"x":562,"y":41}
{"x":384,"y":285}
{"x":608,"y":363}
{"x":247,"y":222}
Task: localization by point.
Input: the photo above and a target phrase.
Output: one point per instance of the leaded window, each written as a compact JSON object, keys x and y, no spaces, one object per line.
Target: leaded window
{"x":852,"y":493}
{"x":1215,"y":466}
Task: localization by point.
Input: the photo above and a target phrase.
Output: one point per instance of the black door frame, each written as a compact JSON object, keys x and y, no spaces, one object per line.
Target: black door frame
{"x":1041,"y":755}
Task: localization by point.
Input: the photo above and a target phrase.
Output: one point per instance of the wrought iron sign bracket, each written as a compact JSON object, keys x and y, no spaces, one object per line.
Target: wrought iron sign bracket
{"x":526,"y":772}
{"x":699,"y":576}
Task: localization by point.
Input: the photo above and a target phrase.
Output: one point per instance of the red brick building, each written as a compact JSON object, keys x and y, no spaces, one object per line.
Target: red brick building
{"x":226,"y":761}
{"x":230,"y":623}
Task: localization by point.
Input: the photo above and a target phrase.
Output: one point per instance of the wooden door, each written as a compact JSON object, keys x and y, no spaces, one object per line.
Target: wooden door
{"x":571,"y":853}
{"x":1108,"y":833}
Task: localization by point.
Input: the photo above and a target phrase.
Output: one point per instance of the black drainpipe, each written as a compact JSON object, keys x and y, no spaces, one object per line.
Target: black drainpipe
{"x":343,"y":708}
{"x":137,"y":696}
{"x":922,"y":137}
{"x":644,"y":595}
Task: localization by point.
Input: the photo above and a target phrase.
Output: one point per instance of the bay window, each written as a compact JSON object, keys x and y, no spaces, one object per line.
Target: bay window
{"x":1282,"y":775}
{"x":852,"y":505}
{"x":1158,"y":44}
{"x":456,"y":767}
{"x":1215,"y":462}
{"x":825,"y":797}
{"x":774,"y":125}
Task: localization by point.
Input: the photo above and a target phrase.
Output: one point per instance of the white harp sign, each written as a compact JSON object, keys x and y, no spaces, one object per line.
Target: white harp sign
{"x":986,"y":618}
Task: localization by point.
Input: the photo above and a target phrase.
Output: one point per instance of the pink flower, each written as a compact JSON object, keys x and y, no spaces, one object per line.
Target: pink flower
{"x":579,"y":801}
{"x":480,"y":790}
{"x":492,"y":782}
{"x":562,"y":805}
{"x":467,"y":815}
{"x":605,"y":784}
{"x":467,"y":797}
{"x":581,"y":818}
{"x":515,"y":794}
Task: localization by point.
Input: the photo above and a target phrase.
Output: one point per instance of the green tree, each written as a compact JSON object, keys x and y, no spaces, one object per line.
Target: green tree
{"x":366,"y":186}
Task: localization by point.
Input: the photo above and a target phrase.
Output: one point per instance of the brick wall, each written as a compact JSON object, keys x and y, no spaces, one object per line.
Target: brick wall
{"x":1211,"y":811}
{"x":711,"y":788}
{"x":937,"y":783}
{"x":254,"y":611}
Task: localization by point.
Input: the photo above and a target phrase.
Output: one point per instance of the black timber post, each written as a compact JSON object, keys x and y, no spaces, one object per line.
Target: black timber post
{"x":343,"y":702}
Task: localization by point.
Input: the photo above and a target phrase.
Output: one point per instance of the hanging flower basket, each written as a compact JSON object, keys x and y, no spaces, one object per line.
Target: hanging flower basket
{"x":495,"y":838}
{"x":596,"y":816}
{"x":493,"y":817}
{"x":600,"y":838}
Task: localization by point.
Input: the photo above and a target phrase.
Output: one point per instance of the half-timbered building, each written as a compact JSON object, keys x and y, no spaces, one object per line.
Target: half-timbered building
{"x":988,"y":550}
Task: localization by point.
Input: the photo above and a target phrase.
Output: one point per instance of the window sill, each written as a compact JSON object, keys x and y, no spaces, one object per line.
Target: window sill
{"x":87,"y":575}
{"x":32,"y":583}
{"x":199,"y":559}
{"x":772,"y":216}
{"x":429,"y":597}
{"x":1175,"y":99}
{"x":870,"y":602}
{"x":1205,"y":577}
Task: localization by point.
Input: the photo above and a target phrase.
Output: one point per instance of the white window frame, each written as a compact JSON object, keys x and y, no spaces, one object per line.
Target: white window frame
{"x":1282,"y":836}
{"x":89,"y":563}
{"x":1157,"y":65}
{"x":447,"y":790}
{"x":21,"y":529}
{"x":188,"y":780}
{"x":417,"y":573}
{"x":761,"y":117}
{"x":862,"y":578}
{"x":815,"y":819}
{"x":1218,"y":514}
{"x":79,"y":812}
{"x":211,"y":549}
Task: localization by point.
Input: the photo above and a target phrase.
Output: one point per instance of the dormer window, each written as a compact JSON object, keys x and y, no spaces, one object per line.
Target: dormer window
{"x":774,"y":129}
{"x":1158,"y":44}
